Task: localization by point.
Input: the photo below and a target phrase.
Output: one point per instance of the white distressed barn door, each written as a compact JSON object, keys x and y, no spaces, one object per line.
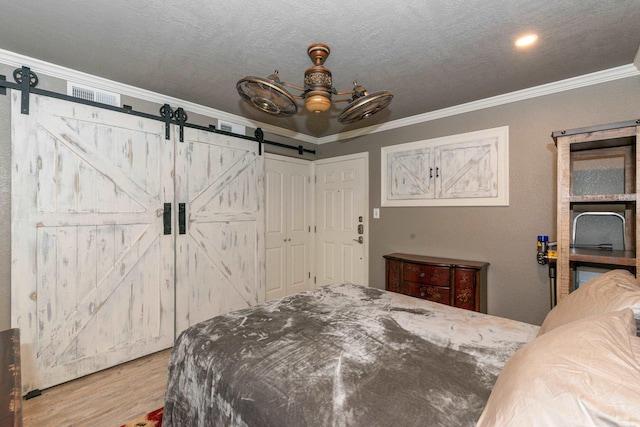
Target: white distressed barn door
{"x":92,"y":271}
{"x":220,"y":257}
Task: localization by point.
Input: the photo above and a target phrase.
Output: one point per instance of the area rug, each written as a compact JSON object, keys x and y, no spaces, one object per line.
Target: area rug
{"x":152,"y":419}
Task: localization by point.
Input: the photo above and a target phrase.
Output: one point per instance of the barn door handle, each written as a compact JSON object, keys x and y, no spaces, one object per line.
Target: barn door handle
{"x":182,"y":218}
{"x":166,"y":218}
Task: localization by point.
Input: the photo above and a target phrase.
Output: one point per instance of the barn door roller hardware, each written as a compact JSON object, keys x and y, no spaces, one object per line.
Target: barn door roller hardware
{"x":26,"y":82}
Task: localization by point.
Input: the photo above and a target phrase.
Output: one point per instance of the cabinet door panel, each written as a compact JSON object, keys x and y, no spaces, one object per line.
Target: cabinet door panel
{"x":410,"y":175}
{"x":393,"y":275}
{"x":465,"y":289}
{"x":467,"y":170}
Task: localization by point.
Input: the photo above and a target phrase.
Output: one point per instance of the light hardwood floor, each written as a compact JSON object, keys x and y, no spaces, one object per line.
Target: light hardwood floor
{"x":108,"y":398}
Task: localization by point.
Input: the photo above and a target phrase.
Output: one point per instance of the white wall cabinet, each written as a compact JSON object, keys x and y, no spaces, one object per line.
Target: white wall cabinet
{"x":466,"y":169}
{"x":95,"y":279}
{"x":288,"y":231}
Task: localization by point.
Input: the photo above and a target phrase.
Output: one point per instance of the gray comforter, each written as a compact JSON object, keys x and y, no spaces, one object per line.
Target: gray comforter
{"x":341,"y":355}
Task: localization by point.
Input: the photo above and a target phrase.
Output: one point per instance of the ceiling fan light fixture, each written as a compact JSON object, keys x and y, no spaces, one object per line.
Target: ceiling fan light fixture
{"x":317,"y":101}
{"x":270,"y":96}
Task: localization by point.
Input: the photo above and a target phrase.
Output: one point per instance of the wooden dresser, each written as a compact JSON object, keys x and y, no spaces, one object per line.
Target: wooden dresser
{"x":454,"y":282}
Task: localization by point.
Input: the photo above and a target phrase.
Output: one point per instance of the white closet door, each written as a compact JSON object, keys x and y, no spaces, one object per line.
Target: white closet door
{"x":220,"y":258}
{"x":92,"y":272}
{"x":288,"y":248}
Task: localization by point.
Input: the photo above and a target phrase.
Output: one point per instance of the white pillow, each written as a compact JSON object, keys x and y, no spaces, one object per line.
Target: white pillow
{"x":586,"y":373}
{"x":612,"y":291}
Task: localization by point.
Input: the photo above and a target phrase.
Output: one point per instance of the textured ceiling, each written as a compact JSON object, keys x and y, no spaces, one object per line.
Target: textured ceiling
{"x":431,"y":54}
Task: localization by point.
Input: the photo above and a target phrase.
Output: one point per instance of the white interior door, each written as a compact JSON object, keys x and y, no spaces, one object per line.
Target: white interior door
{"x":288,"y":233}
{"x":92,"y":273}
{"x":220,"y":256}
{"x":341,"y":207}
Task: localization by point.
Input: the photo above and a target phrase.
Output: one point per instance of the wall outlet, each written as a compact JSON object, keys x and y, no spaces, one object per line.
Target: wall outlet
{"x":376,"y":213}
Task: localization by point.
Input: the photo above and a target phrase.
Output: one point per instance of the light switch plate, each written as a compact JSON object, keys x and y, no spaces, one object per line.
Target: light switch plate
{"x":376,"y":213}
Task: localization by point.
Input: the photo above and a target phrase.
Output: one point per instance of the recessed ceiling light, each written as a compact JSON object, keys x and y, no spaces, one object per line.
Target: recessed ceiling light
{"x":527,"y":40}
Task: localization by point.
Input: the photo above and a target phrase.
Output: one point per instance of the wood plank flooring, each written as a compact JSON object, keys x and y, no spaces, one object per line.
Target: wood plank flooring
{"x":108,"y":398}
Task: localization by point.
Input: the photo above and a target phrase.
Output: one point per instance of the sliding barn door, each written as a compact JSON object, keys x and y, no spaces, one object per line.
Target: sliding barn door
{"x":220,"y":256}
{"x":92,"y":272}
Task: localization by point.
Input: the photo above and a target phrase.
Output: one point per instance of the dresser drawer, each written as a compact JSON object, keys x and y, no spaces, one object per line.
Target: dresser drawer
{"x":439,"y":294}
{"x":427,"y":274}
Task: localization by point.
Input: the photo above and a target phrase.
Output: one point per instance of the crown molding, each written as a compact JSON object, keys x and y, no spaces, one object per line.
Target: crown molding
{"x":616,"y":73}
{"x":57,"y":71}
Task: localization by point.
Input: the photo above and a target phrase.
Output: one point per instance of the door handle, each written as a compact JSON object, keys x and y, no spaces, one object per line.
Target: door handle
{"x":359,"y":240}
{"x":182,"y":218}
{"x":166,"y":218}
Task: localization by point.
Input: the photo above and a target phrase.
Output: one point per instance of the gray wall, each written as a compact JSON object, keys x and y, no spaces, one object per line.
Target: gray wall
{"x":505,"y":237}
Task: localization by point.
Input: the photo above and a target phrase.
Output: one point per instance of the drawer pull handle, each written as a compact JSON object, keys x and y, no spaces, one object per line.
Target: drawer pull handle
{"x":421,"y":274}
{"x":422,"y":294}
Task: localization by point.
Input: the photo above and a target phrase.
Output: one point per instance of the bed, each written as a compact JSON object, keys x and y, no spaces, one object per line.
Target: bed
{"x":347,"y":355}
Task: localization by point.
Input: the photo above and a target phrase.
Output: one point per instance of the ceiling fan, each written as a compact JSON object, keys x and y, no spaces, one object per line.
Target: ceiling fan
{"x":270,"y":95}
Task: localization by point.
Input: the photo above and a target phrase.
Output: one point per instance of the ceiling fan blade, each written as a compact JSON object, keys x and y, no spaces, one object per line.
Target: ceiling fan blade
{"x":267,"y":96}
{"x":365,"y":106}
